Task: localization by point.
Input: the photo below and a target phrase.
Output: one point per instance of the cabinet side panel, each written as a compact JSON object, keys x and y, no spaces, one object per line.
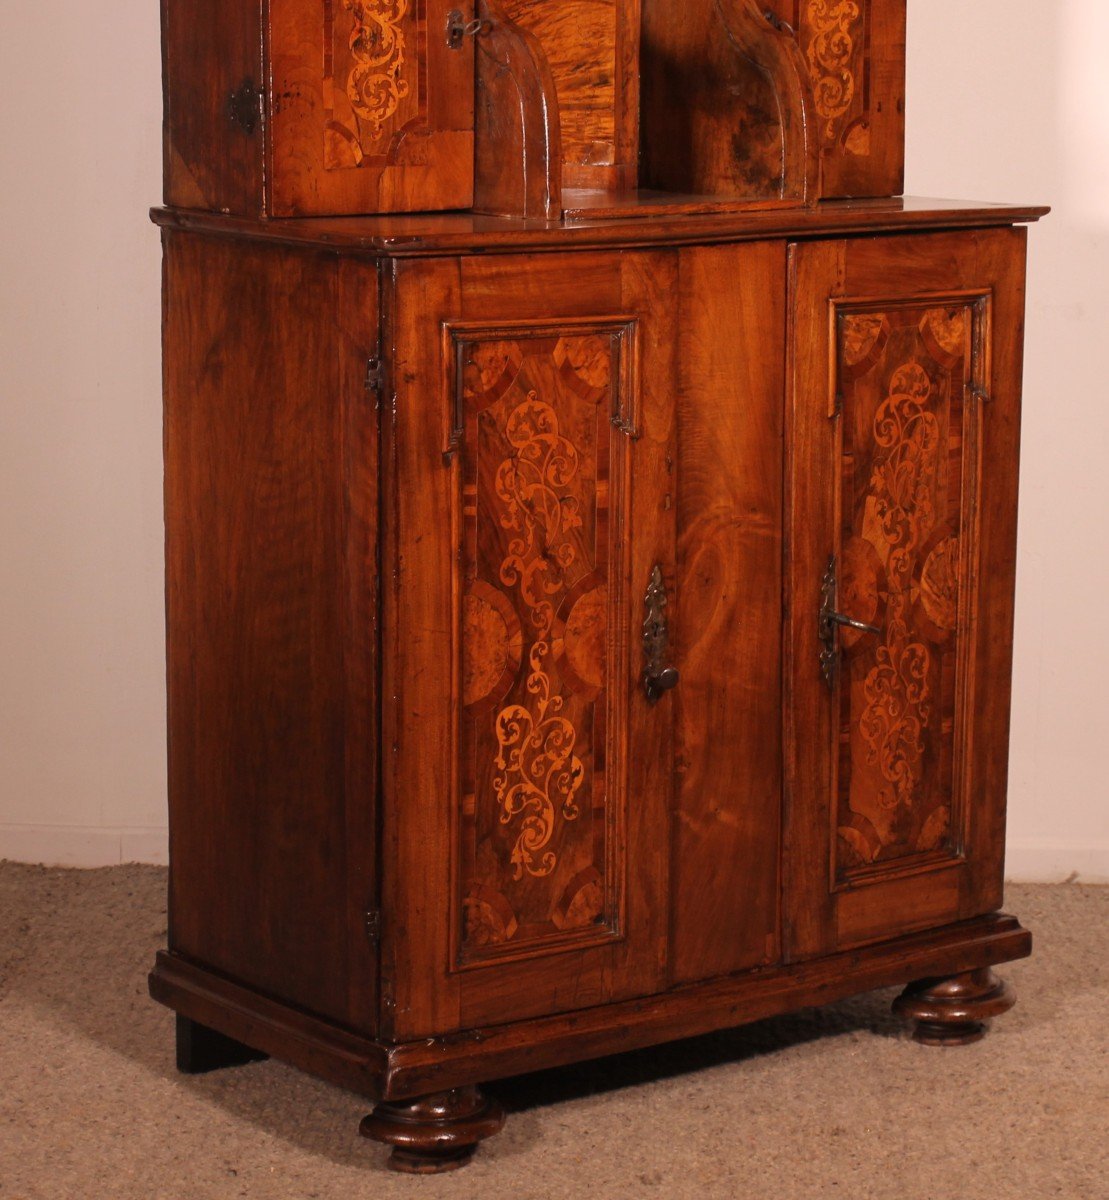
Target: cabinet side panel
{"x":1001,"y":257}
{"x":265,"y":855}
{"x":359,"y":339}
{"x":211,"y":49}
{"x":732,"y":362}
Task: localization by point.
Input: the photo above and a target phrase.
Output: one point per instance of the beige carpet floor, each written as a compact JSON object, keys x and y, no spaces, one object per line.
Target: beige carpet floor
{"x":830,"y":1103}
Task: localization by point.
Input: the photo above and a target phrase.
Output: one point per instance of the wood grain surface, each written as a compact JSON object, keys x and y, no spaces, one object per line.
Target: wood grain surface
{"x":728,"y":806}
{"x":592,"y":47}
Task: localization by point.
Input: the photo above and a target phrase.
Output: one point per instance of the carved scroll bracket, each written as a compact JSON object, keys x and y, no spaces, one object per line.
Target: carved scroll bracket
{"x":728,"y":108}
{"x":518,"y":131}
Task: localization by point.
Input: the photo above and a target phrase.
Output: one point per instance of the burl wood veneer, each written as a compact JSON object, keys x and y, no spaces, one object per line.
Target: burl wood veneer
{"x":589,"y":611}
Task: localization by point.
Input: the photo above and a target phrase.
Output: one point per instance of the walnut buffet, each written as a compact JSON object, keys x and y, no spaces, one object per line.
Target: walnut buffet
{"x":591,"y":517}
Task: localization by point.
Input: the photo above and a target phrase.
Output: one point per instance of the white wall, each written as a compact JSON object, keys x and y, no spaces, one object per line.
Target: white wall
{"x":1014,"y":105}
{"x":82,"y":707}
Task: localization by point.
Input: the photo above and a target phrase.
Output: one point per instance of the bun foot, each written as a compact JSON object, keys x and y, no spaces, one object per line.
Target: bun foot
{"x":436,"y":1133}
{"x":955,"y":1011}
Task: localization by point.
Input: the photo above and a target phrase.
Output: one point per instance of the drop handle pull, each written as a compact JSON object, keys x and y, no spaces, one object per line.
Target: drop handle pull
{"x":838,"y":618}
{"x":658,"y":676}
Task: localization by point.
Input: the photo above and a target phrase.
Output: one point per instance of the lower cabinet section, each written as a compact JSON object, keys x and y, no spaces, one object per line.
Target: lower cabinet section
{"x":637,"y":665}
{"x":610,"y":470}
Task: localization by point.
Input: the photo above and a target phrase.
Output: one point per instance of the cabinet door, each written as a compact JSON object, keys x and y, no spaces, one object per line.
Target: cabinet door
{"x":531,"y":503}
{"x":855,"y":54}
{"x":905,"y":366}
{"x":370,"y":107}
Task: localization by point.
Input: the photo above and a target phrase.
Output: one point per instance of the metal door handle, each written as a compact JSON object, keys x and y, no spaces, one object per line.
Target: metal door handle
{"x":838,"y":618}
{"x":830,"y":619}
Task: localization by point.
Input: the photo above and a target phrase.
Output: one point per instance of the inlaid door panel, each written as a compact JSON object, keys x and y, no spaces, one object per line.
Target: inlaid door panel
{"x":370,"y":107}
{"x":905,"y":376}
{"x":545,"y":487}
{"x":906,"y":548}
{"x":532,"y":772}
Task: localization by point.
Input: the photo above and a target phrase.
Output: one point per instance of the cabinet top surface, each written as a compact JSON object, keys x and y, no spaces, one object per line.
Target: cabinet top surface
{"x":464,"y":232}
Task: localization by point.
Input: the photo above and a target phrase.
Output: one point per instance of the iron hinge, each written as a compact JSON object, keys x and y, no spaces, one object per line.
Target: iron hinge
{"x":373,"y":926}
{"x":375,"y":376}
{"x":244,"y":107}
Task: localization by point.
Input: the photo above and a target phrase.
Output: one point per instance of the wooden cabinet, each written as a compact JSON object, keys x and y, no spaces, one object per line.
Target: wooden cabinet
{"x":589,"y":615}
{"x":506,"y":684}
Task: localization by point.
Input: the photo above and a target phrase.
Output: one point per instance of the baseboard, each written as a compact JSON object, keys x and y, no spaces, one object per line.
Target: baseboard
{"x":1027,"y":860}
{"x":83,"y":846}
{"x":1038,"y":860}
{"x":393,"y":1071}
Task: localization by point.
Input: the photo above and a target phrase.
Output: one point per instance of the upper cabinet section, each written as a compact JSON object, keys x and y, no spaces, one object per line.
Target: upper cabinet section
{"x":543,"y":109}
{"x":319,"y":107}
{"x":854,"y":56}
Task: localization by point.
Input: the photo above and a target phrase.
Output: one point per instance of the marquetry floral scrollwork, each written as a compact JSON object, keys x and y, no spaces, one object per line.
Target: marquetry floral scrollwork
{"x":831,"y":52}
{"x":538,"y":774}
{"x":898,"y":708}
{"x":531,"y":484}
{"x":377,"y":44}
{"x":896,"y":690}
{"x":903,"y":478}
